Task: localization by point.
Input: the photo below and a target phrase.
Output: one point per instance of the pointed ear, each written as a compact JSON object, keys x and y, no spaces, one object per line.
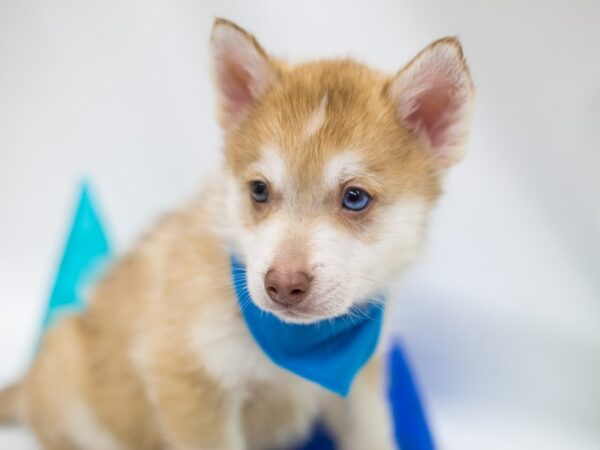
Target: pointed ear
{"x":242,"y":69}
{"x":433,"y":95}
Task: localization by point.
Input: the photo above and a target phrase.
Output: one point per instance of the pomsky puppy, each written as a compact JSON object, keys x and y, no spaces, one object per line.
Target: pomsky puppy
{"x":330,"y":172}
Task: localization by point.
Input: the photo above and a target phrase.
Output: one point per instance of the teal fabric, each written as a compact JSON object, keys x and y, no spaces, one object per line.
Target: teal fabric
{"x":85,"y":253}
{"x":329,"y":353}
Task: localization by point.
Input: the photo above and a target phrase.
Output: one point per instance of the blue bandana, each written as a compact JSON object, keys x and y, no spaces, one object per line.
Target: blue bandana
{"x":330,"y":352}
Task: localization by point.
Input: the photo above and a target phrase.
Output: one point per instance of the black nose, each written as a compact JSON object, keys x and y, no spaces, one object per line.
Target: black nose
{"x":287,"y":288}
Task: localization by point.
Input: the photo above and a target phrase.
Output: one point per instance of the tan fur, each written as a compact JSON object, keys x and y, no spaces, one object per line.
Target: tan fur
{"x":9,"y":399}
{"x":161,"y":359}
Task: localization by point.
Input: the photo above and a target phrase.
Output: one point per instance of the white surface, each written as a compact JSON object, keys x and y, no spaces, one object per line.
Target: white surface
{"x":500,"y":318}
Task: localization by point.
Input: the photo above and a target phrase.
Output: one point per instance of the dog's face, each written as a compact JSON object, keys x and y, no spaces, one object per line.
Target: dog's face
{"x":333,"y":168}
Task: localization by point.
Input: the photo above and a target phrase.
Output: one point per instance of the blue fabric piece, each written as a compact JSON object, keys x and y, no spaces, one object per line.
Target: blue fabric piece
{"x":320,"y":440}
{"x":410,"y":423}
{"x":86,"y":251}
{"x":329,"y":353}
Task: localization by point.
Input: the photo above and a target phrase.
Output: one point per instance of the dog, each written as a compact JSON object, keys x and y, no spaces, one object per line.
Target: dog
{"x":330,"y":172}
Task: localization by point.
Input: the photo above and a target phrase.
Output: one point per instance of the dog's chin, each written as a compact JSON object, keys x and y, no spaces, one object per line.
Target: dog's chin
{"x":298,"y":318}
{"x":299,"y":315}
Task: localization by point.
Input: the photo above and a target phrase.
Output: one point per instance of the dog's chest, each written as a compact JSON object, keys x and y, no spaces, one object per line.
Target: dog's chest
{"x":277,"y":406}
{"x":230,"y":355}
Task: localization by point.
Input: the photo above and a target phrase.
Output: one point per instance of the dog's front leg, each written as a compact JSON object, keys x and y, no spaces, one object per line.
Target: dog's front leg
{"x":194,"y":413}
{"x":363,"y":420}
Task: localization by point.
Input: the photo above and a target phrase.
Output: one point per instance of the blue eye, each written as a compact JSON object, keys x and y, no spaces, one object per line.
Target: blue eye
{"x":355,"y":199}
{"x":259,"y":191}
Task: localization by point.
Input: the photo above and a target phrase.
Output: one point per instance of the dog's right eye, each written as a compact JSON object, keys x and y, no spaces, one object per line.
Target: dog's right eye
{"x":259,"y":191}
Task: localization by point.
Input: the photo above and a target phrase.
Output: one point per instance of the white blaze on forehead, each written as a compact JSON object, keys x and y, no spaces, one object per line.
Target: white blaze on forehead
{"x":342,"y":167}
{"x":272,"y":166}
{"x":317,"y":119}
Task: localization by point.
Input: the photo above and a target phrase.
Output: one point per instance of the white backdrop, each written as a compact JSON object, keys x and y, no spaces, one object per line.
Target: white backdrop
{"x":502,"y":316}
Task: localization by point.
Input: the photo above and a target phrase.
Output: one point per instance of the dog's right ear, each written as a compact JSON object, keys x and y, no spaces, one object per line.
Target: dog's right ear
{"x":242,"y":69}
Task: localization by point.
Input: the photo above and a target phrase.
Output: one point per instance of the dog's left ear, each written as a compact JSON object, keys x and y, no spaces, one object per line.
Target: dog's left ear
{"x":433,"y":95}
{"x":242,"y":69}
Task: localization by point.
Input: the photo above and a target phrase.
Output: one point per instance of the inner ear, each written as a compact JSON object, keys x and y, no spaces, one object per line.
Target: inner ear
{"x":432,"y":113}
{"x":242,"y":69}
{"x":236,"y":85}
{"x":433,"y":98}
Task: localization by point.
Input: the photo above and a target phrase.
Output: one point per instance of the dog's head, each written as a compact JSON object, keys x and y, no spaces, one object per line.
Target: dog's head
{"x":334,"y":168}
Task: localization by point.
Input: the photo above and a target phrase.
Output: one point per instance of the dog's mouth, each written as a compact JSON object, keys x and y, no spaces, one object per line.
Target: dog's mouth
{"x":298,"y":314}
{"x":295,"y":316}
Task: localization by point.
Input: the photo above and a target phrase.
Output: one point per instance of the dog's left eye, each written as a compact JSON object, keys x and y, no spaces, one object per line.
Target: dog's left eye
{"x":356,"y":199}
{"x":259,"y":191}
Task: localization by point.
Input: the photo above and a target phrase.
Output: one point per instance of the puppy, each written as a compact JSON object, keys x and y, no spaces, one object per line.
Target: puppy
{"x":330,"y":172}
